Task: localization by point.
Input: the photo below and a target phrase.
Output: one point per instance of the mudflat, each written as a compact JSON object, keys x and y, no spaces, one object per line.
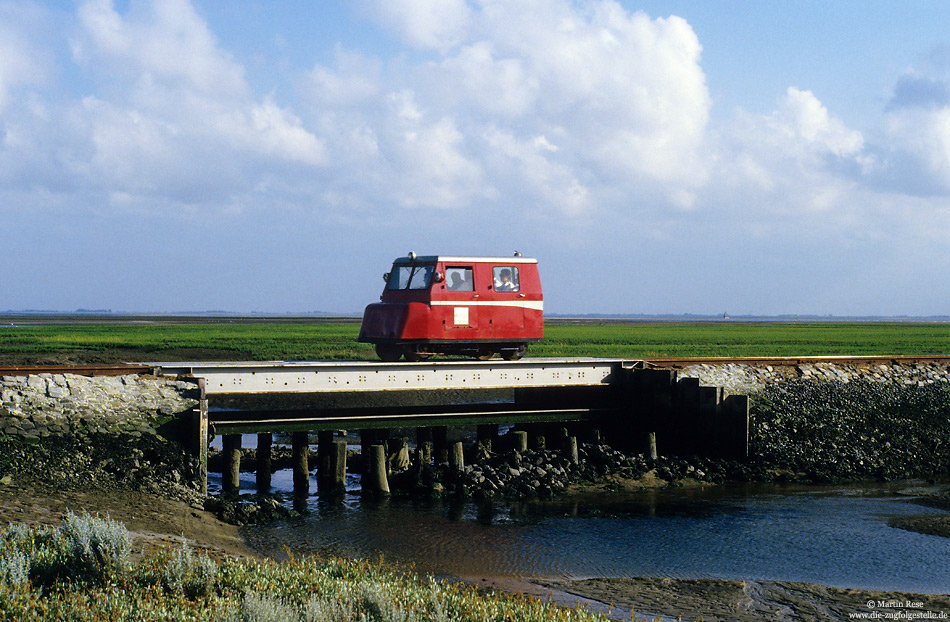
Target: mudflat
{"x":152,"y":519}
{"x":746,"y":601}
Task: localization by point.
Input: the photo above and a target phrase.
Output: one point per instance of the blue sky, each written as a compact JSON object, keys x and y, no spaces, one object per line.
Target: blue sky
{"x":656,"y":157}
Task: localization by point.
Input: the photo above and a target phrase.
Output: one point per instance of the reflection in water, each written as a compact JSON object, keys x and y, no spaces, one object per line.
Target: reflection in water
{"x":832,"y":536}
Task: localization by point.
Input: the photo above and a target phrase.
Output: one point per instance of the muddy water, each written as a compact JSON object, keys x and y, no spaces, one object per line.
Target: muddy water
{"x":836,"y":536}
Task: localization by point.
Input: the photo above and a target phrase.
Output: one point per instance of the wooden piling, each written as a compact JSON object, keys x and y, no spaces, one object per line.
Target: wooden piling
{"x":367,"y":440}
{"x":399,"y":452}
{"x":423,"y":447}
{"x":456,"y":458}
{"x":300,"y":449}
{"x":375,"y":479}
{"x":264,"y":442}
{"x":424,"y":453}
{"x":519,"y":440}
{"x":486,"y":434}
{"x":324,"y":459}
{"x":571,"y":450}
{"x":649,"y":397}
{"x":649,"y":449}
{"x":231,"y":474}
{"x":336,"y":483}
{"x":440,"y":444}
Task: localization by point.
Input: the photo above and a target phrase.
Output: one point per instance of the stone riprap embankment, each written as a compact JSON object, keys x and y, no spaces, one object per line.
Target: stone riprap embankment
{"x":828,"y":422}
{"x":747,"y":379}
{"x":42,"y":405}
{"x":861,"y":429}
{"x":77,"y":432}
{"x":547,"y":473}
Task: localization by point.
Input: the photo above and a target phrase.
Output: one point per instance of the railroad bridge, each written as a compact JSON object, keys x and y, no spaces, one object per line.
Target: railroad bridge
{"x":626,"y":403}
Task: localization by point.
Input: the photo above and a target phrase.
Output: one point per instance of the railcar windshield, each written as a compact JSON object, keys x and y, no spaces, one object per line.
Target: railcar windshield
{"x":410,"y":276}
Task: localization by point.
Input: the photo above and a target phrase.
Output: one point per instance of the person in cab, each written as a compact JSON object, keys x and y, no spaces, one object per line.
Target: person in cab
{"x":504,"y":283}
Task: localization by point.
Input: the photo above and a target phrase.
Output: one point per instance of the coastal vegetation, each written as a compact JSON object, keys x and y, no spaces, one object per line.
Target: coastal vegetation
{"x":84,"y":570}
{"x":318,"y":339}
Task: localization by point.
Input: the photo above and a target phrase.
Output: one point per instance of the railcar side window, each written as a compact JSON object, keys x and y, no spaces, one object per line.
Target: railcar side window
{"x":460,"y":279}
{"x":410,"y":277}
{"x":506,"y":278}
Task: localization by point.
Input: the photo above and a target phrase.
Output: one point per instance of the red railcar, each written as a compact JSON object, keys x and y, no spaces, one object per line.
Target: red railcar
{"x":471,"y":306}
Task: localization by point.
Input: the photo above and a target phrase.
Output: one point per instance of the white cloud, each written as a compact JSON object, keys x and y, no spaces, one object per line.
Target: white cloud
{"x":23,"y":60}
{"x":427,"y":159}
{"x":354,"y":81}
{"x":177,"y":117}
{"x":424,"y":24}
{"x":627,"y":91}
{"x":273,"y":131}
{"x":918,"y":133}
{"x":790,"y":161}
{"x":920,"y":143}
{"x":621,"y":96}
{"x":527,"y":163}
{"x":806,"y":120}
{"x":475,"y":77}
{"x":165,"y":41}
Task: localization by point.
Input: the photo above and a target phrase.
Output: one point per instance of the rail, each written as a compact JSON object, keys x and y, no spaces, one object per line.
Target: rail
{"x":78,"y":370}
{"x":674,"y":362}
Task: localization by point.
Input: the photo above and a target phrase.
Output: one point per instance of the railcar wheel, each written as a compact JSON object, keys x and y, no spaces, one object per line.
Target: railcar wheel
{"x":387,"y":352}
{"x":415,"y":357}
{"x":516,"y":354}
{"x":485,"y":353}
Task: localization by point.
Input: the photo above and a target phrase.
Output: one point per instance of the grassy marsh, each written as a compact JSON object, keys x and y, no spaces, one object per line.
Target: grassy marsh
{"x":316,"y":339}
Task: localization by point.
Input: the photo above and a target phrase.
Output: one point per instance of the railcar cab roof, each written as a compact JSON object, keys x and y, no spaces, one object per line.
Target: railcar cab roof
{"x":413,"y":258}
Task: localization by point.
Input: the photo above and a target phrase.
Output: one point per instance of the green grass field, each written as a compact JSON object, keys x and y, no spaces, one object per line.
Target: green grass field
{"x":644,"y":340}
{"x":318,"y":340}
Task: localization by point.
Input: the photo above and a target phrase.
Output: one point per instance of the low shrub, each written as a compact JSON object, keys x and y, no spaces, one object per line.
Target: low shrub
{"x":14,"y":569}
{"x":99,"y":547}
{"x":263,"y":608}
{"x":189,"y":574}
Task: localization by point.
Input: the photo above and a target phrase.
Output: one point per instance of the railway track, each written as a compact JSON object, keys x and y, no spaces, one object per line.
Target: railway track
{"x":791,"y":361}
{"x":656,"y":362}
{"x":78,"y":370}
